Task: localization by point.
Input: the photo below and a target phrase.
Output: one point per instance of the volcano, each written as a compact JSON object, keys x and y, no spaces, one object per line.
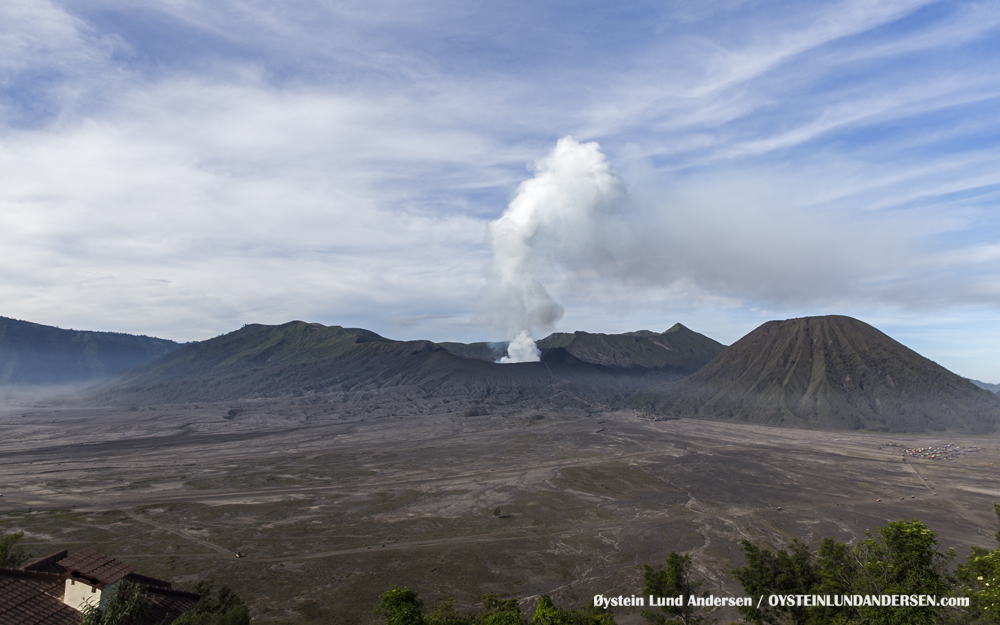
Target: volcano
{"x":830,"y":372}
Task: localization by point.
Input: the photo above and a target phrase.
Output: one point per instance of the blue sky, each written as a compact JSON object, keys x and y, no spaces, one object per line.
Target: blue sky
{"x":179,"y":168}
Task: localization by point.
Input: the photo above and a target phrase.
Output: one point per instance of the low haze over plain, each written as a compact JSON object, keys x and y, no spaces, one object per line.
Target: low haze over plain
{"x":180,"y":168}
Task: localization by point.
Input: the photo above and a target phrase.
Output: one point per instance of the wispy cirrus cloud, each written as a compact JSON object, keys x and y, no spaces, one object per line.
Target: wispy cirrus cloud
{"x":181,"y":167}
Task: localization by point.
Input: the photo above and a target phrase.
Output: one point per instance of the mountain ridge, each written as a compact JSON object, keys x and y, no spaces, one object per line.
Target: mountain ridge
{"x":676,"y":349}
{"x":993,"y":388}
{"x":36,"y":354}
{"x":830,"y":372}
{"x":299,"y":358}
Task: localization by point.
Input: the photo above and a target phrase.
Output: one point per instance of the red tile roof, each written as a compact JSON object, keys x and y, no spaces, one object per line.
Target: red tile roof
{"x":33,"y":594}
{"x":28,"y":600}
{"x":96,"y":566}
{"x":48,"y":564}
{"x":167,"y":602}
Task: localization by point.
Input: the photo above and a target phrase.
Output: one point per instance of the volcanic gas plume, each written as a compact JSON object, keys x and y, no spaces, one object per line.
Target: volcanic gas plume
{"x":565,"y":214}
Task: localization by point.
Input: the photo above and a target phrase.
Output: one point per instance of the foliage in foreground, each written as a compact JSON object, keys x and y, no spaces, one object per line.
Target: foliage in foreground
{"x":126,"y":604}
{"x":979,"y":580}
{"x":226,"y":609}
{"x":402,"y":606}
{"x":11,"y":558}
{"x":673,"y":581}
{"x":900,"y":559}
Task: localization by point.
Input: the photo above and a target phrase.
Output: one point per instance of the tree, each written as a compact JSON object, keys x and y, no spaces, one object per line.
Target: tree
{"x":225,"y":609}
{"x":598,"y":615}
{"x":444,"y":613}
{"x":979,"y":580}
{"x":672,"y":582}
{"x":401,"y":606}
{"x":899,"y":559}
{"x":789,"y":571}
{"x":548,"y":613}
{"x":125,"y":604}
{"x":497,"y":611}
{"x":11,"y":558}
{"x":830,"y":565}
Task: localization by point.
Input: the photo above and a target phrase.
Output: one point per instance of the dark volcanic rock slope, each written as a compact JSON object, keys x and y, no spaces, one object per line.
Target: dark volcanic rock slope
{"x":298,"y":358}
{"x":829,"y":372}
{"x":32,"y":353}
{"x":678,"y":349}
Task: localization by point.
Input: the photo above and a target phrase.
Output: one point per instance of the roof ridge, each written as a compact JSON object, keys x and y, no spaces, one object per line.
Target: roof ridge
{"x":49,"y":559}
{"x":94,"y":564}
{"x":48,"y":577}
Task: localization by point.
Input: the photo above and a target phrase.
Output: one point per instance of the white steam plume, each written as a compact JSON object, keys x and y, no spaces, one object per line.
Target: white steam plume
{"x":742,"y":236}
{"x":566,"y":211}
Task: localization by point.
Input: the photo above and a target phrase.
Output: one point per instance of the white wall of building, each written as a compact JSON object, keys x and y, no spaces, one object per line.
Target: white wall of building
{"x":78,"y":592}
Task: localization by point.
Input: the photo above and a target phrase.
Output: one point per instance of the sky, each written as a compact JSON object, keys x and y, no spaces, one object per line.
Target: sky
{"x":179,"y":168}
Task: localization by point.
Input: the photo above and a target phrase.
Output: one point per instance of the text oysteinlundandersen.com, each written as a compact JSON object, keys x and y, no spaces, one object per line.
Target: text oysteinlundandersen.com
{"x":838,"y":601}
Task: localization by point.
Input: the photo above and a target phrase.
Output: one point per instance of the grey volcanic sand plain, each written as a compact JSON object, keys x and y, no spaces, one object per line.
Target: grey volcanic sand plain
{"x":333,"y":502}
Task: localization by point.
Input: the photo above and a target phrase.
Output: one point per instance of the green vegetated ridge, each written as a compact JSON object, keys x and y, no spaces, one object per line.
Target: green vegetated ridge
{"x":257,"y":345}
{"x":32,"y":353}
{"x":830,"y":372}
{"x":299,"y":358}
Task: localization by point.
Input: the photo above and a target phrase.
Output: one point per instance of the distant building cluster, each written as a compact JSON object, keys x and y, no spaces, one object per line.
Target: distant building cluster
{"x":941,"y":452}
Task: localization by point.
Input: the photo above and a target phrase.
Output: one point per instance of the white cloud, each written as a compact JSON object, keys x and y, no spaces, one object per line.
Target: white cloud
{"x":253,"y":200}
{"x":340,"y":162}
